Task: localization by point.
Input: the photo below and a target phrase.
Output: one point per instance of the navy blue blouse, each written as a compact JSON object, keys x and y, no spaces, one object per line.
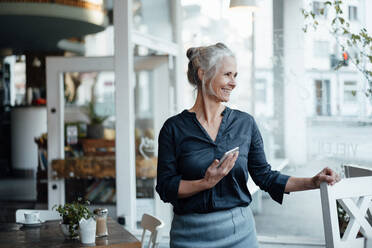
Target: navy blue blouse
{"x":186,"y":151}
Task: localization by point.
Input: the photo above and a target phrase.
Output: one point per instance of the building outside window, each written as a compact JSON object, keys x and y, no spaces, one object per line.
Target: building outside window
{"x":317,"y":7}
{"x":353,"y":13}
{"x":322,"y":93}
{"x":260,"y":86}
{"x":321,"y":49}
{"x":350,"y":92}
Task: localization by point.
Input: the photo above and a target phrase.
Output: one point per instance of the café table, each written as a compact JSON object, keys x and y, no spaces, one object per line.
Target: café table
{"x":50,"y":235}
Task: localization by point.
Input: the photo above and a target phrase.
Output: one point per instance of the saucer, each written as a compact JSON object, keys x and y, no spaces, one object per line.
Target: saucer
{"x":31,"y":224}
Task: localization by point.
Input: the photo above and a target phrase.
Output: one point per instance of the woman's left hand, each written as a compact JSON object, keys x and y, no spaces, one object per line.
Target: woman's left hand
{"x":326,"y":175}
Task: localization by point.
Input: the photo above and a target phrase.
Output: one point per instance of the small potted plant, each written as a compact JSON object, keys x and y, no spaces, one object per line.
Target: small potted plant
{"x":71,"y":214}
{"x":95,"y":128}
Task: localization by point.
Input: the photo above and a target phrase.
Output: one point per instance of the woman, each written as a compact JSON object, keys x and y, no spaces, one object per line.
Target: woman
{"x":211,"y":201}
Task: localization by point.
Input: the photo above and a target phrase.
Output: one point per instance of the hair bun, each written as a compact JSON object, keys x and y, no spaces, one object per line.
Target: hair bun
{"x":192,"y":52}
{"x":221,"y":45}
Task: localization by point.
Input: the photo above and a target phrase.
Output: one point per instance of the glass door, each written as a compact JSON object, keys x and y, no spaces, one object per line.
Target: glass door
{"x":81,"y":130}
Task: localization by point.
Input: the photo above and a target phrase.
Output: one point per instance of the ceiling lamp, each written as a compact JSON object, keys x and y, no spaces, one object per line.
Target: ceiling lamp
{"x":251,"y":4}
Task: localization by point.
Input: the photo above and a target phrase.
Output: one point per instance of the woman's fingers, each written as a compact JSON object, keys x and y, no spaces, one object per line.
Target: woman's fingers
{"x":329,"y":176}
{"x":229,"y":163}
{"x":215,"y":163}
{"x":326,"y":178}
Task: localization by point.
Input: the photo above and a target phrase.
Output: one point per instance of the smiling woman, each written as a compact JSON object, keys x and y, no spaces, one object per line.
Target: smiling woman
{"x":210,"y":200}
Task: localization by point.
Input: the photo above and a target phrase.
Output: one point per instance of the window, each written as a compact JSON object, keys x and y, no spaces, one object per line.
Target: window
{"x":260,"y":86}
{"x":321,"y":49}
{"x":322,"y":97}
{"x":350,"y":93}
{"x":318,"y":7}
{"x":353,"y":13}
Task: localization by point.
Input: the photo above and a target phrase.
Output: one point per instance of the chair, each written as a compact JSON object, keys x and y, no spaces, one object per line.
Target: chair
{"x":153,"y":225}
{"x":352,"y":170}
{"x":354,"y":195}
{"x":44,"y":214}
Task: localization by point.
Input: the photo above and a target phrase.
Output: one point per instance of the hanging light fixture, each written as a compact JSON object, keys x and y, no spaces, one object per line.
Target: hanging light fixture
{"x":251,"y":4}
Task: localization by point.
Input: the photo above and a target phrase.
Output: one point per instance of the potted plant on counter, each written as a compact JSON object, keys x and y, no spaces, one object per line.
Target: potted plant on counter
{"x":95,"y":129}
{"x":71,"y":214}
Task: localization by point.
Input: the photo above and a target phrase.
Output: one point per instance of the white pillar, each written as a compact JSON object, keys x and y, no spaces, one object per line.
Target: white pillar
{"x":124,"y":78}
{"x":176,"y":13}
{"x":294,"y":83}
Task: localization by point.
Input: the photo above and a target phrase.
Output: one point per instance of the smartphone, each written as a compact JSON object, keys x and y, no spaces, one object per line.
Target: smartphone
{"x":236,"y":149}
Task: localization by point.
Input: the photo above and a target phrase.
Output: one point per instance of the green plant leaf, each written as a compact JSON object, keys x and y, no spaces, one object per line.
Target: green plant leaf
{"x":72,"y":213}
{"x":338,"y":9}
{"x":303,"y":11}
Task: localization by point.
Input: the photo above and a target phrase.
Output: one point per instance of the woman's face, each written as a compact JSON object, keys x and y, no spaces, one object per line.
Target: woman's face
{"x":224,"y":82}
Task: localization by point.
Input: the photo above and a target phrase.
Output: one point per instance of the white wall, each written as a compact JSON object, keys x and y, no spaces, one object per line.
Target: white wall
{"x":27,"y":123}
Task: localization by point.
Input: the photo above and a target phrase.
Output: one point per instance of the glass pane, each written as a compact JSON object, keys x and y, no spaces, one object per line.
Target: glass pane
{"x":145,"y":145}
{"x":154,"y":18}
{"x":153,"y":104}
{"x":90,"y":138}
{"x":308,"y":114}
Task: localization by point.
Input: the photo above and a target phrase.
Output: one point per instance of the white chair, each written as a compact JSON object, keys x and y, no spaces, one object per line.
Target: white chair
{"x":354,"y":195}
{"x":153,"y":225}
{"x":352,"y":170}
{"x":44,"y":214}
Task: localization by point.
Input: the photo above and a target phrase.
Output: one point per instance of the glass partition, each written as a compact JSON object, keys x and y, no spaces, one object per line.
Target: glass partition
{"x":89,"y":123}
{"x":153,"y":97}
{"x":309,"y":115}
{"x":154,"y":18}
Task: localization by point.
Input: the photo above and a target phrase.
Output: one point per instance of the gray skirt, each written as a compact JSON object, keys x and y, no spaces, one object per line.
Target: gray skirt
{"x":233,"y":228}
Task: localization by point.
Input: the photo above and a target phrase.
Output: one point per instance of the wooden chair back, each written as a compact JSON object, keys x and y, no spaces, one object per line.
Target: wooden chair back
{"x":153,"y":225}
{"x":354,"y":195}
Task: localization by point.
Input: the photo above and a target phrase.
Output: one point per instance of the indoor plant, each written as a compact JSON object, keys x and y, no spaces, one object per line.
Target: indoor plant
{"x":95,"y":128}
{"x":72,"y":213}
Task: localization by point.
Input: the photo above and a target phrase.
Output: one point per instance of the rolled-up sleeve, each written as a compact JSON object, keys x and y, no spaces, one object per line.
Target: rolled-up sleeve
{"x":168,"y":179}
{"x":268,"y":180}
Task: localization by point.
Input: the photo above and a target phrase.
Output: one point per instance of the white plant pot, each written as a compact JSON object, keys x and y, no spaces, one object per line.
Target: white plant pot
{"x":65,"y":231}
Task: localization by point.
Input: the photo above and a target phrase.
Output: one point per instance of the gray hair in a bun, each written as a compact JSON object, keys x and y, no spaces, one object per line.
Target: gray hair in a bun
{"x":207,"y":58}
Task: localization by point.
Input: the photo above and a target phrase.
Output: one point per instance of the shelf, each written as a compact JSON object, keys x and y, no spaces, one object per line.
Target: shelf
{"x":85,"y":167}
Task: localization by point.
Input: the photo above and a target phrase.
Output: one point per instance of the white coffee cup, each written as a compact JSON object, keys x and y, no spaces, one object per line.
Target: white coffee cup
{"x":32,"y":217}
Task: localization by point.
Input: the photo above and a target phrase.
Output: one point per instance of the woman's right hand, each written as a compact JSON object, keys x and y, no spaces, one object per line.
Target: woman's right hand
{"x":215,"y":173}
